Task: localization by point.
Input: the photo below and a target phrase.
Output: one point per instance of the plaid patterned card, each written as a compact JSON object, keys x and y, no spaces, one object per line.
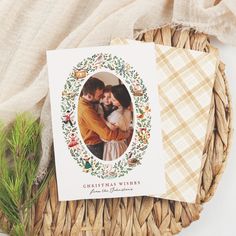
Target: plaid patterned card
{"x":185,"y":90}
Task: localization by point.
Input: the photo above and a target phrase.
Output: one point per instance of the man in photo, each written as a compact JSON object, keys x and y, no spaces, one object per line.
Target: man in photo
{"x":92,"y":127}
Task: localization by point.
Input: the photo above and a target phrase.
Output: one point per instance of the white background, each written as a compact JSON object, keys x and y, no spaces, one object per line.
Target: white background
{"x":218,"y":217}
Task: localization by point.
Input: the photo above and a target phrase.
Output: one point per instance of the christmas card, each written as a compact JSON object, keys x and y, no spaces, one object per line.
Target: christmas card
{"x":106,"y":122}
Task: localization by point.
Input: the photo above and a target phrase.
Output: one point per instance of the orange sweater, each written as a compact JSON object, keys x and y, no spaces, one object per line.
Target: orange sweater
{"x":92,"y":127}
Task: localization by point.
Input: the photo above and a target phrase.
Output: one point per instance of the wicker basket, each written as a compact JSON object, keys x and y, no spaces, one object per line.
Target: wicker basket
{"x":146,"y":215}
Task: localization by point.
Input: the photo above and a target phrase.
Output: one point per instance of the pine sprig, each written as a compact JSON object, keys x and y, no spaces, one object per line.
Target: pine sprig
{"x":19,"y":159}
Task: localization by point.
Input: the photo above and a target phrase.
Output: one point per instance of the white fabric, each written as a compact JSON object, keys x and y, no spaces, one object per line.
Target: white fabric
{"x":29,"y":28}
{"x":122,"y":119}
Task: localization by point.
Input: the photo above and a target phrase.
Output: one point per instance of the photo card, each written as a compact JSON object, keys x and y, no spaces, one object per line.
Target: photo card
{"x":106,"y":122}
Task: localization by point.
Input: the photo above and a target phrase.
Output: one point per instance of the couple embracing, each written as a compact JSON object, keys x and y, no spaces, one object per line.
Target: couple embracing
{"x":104,"y":117}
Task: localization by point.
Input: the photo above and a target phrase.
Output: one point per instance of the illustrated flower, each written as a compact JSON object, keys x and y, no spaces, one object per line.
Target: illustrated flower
{"x":143,"y":135}
{"x":140,"y":116}
{"x":143,"y":111}
{"x":127,"y":66}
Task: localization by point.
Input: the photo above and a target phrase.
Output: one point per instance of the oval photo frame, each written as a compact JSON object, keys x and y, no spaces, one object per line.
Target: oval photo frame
{"x":132,"y":157}
{"x":109,"y":79}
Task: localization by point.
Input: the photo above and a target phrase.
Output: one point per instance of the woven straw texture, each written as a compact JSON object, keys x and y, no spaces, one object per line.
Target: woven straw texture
{"x":146,"y":215}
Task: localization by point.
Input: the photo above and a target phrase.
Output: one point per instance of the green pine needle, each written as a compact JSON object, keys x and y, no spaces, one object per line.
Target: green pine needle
{"x":19,"y":160}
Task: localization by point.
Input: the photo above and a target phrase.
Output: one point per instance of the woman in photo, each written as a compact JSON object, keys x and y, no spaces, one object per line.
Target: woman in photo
{"x":121,"y":118}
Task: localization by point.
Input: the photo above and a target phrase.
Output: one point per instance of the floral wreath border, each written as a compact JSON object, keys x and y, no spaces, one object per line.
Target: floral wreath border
{"x":139,"y":142}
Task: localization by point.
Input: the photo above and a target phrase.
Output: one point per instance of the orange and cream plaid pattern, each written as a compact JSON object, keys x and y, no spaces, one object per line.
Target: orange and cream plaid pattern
{"x":186,"y":79}
{"x":185,"y":90}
